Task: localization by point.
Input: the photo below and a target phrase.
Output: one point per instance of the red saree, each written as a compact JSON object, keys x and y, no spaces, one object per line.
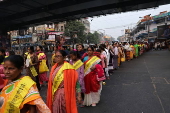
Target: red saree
{"x":91,"y":82}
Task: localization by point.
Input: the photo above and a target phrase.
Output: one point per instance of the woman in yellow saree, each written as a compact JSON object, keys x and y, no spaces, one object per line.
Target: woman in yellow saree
{"x":119,"y":54}
{"x":20,"y":95}
{"x":43,"y":65}
{"x":132,"y":53}
{"x":32,"y":66}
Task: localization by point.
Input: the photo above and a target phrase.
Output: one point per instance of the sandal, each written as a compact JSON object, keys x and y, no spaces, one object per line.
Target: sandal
{"x":93,"y":105}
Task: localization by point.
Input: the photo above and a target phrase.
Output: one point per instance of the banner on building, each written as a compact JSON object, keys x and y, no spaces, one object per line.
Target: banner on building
{"x":127,"y":31}
{"x":146,"y":18}
{"x":55,"y":33}
{"x":163,"y":31}
{"x":161,"y":15}
{"x":51,"y":37}
{"x":49,"y":29}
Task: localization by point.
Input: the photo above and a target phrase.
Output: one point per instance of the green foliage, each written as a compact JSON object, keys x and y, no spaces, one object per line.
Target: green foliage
{"x":93,"y":38}
{"x":75,"y":27}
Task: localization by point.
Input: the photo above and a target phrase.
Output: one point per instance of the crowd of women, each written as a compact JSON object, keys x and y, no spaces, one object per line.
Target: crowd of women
{"x":75,"y":79}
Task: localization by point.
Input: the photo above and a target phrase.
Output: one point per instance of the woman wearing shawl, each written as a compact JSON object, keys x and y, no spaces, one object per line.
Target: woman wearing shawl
{"x":128,"y":49}
{"x":42,"y":58}
{"x":115,"y":53}
{"x":122,"y":57}
{"x":104,"y":60}
{"x":133,"y":50}
{"x":79,"y":67}
{"x":108,"y":48}
{"x":93,"y":72}
{"x":31,"y":66}
{"x":20,"y":95}
{"x":136,"y":46}
{"x":142,"y":48}
{"x":119,"y":55}
{"x":62,"y":86}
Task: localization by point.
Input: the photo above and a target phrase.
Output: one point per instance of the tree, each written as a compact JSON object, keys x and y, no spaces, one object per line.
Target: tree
{"x":96,"y":37}
{"x":75,"y":27}
{"x":119,"y":38}
{"x":93,"y":37}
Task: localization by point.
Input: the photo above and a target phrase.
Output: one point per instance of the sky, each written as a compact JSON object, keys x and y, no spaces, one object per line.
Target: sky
{"x":115,"y":24}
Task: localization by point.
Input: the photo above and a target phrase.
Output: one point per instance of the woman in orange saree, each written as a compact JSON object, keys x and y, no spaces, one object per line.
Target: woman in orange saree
{"x":20,"y":95}
{"x":132,"y":51}
{"x":92,"y":85}
{"x":62,"y":86}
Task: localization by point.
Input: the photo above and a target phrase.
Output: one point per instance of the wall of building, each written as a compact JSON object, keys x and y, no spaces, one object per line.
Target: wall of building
{"x":60,"y":26}
{"x":86,"y":24}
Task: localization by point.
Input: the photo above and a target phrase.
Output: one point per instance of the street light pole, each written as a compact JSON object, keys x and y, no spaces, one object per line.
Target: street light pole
{"x":166,"y":20}
{"x":148,"y":29}
{"x":102,"y":30}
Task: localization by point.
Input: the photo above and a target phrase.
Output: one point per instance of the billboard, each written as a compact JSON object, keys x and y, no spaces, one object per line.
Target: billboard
{"x":127,"y":31}
{"x":163,"y":32}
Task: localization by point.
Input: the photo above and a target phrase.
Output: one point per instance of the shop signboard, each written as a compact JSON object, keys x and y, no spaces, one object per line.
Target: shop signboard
{"x":34,"y":37}
{"x":49,"y":29}
{"x":154,"y":29}
{"x":127,"y":31}
{"x":25,"y":36}
{"x":67,"y":38}
{"x":14,"y":34}
{"x":15,"y":45}
{"x":40,"y":29}
{"x":161,"y":15}
{"x":163,"y":32}
{"x":13,"y":37}
{"x":39,"y":34}
{"x":55,"y":33}
{"x":51,"y":38}
{"x":146,"y":18}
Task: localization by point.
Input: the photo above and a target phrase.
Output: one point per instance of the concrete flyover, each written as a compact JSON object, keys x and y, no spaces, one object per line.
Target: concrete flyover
{"x":17,"y":14}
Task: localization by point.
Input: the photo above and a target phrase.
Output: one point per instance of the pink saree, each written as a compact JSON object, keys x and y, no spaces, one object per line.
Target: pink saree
{"x":59,"y":103}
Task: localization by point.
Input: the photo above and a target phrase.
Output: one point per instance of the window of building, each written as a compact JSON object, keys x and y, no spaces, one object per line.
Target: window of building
{"x":62,"y":28}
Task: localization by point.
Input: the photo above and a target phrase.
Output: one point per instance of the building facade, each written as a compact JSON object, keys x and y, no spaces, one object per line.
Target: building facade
{"x":86,"y":24}
{"x":151,"y":28}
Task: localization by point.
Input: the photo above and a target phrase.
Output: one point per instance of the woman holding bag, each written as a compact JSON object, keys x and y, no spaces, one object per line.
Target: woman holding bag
{"x":93,"y":73}
{"x":42,"y":67}
{"x":31,"y":66}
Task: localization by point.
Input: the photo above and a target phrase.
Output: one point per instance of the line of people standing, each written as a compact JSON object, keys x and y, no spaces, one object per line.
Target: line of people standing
{"x":76,"y":75}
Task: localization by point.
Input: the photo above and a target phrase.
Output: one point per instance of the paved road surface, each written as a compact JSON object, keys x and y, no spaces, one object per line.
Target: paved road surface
{"x":139,"y":86}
